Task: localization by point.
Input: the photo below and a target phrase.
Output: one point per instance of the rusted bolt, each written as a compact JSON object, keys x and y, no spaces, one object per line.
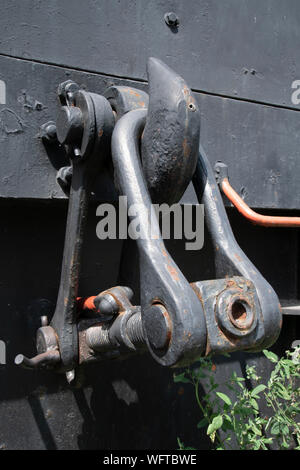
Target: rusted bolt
{"x":157,"y":324}
{"x":236,"y":312}
{"x":171,"y":19}
{"x":240,"y":314}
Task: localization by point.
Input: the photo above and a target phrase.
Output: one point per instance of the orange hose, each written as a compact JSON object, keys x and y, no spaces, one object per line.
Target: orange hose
{"x":252,"y":216}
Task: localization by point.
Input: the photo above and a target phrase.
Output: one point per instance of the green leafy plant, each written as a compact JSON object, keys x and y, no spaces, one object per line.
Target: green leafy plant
{"x":236,"y":421}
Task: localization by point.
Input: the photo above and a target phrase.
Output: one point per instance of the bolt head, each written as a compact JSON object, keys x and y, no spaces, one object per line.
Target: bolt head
{"x":66,"y":88}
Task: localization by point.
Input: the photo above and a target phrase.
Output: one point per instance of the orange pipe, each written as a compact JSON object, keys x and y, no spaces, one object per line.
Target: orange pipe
{"x":252,"y":216}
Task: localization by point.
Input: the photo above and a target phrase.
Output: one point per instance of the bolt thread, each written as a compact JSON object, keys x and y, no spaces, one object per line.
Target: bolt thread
{"x":97,"y":338}
{"x":135,"y":329}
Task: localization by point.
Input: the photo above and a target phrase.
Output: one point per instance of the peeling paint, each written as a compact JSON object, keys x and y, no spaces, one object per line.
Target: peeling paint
{"x":10,"y":122}
{"x":29,"y":103}
{"x":125,"y":392}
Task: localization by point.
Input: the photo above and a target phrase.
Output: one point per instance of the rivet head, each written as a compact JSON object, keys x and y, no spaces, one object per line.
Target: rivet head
{"x":171,"y":18}
{"x":69,"y":125}
{"x":48,"y":131}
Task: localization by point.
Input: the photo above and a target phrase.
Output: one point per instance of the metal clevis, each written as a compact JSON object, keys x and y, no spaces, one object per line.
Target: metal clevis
{"x":152,"y":142}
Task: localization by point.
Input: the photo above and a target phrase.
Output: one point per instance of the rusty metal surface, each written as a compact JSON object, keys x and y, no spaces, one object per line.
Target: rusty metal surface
{"x":160,"y":278}
{"x":175,"y":325}
{"x":229,"y":329}
{"x":171,"y":135}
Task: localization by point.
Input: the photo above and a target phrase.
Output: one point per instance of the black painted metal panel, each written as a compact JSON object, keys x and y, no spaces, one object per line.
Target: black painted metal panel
{"x":240,"y":48}
{"x":28,"y":170}
{"x":259,"y":143}
{"x":132,"y":404}
{"x":245,"y":49}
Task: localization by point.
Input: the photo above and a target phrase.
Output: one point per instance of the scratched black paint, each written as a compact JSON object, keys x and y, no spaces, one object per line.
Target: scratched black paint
{"x":259,"y":143}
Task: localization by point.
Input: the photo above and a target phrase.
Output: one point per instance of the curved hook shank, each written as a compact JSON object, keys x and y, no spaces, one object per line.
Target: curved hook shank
{"x":161,"y":280}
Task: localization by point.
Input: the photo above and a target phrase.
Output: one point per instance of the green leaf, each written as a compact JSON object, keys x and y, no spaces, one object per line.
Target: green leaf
{"x":256,"y":430}
{"x":180,"y":443}
{"x":285,"y":430}
{"x":212,"y":382}
{"x":181,"y":378}
{"x":215,"y":424}
{"x":285,"y":445}
{"x":275,"y":429}
{"x":227,"y":423}
{"x":199,"y":374}
{"x":224,"y":397}
{"x":268,"y":440}
{"x":214,"y":387}
{"x":256,"y":445}
{"x":202,"y":423}
{"x":270,"y":355}
{"x":288,"y":362}
{"x":254,"y":403}
{"x":287,"y":370}
{"x":282,"y":391}
{"x":244,"y":411}
{"x":256,"y":391}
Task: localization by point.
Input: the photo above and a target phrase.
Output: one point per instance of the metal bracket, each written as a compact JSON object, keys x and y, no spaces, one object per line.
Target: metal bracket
{"x":230,"y":260}
{"x":84,"y":127}
{"x":177,"y":321}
